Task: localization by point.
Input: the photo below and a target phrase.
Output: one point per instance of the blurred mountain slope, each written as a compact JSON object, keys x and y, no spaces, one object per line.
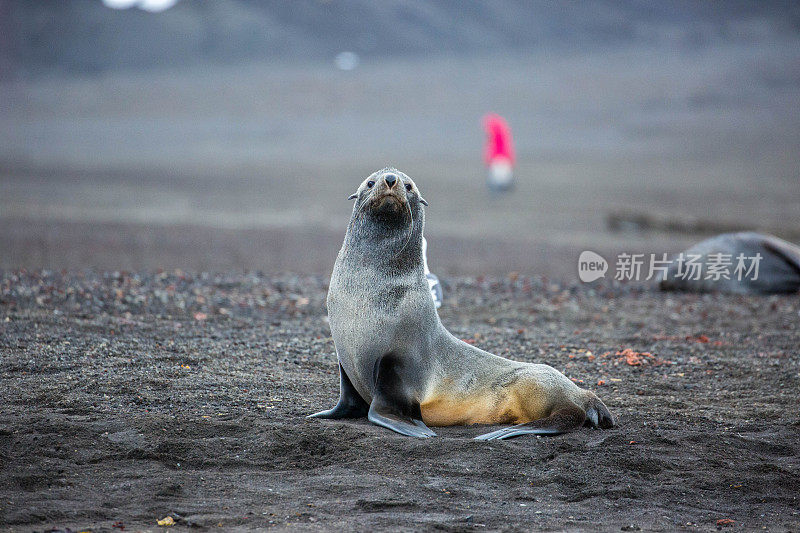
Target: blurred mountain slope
{"x":80,"y":36}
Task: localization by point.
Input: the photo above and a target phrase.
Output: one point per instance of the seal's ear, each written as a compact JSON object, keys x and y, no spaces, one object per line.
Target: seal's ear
{"x":353,"y":196}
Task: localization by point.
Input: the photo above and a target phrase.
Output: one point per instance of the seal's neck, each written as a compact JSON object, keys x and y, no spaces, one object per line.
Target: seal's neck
{"x":385,"y":244}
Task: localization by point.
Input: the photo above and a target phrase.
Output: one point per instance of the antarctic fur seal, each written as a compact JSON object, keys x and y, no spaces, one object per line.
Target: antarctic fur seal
{"x":399,"y":366}
{"x":750,"y":263}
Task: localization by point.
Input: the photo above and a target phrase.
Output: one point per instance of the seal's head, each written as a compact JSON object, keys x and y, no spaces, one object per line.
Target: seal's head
{"x":389,"y":196}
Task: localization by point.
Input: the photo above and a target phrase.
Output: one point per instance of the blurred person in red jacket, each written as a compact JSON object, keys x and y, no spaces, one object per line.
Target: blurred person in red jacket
{"x":499,"y":154}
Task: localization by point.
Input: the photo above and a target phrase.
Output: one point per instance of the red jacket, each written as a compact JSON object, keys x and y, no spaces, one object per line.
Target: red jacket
{"x":499,"y":144}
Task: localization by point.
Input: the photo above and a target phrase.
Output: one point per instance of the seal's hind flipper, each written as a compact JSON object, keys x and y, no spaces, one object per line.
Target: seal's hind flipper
{"x":351,"y":404}
{"x":393,"y":405}
{"x":404,"y":425}
{"x":598,"y":415}
{"x":561,"y":421}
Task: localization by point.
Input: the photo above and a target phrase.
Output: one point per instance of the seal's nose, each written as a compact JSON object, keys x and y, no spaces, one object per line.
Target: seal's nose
{"x":390,"y":179}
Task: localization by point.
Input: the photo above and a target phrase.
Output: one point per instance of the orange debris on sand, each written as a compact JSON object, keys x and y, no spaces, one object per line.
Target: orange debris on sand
{"x":633,"y":358}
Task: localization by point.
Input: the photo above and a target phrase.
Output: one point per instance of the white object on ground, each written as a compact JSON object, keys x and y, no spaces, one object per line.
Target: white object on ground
{"x":433,"y":282}
{"x":501,"y":175}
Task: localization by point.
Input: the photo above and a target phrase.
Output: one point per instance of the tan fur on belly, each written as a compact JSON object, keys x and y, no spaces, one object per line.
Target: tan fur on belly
{"x":517,"y":404}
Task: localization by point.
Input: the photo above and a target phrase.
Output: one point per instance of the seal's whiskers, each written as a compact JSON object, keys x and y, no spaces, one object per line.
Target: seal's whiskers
{"x":410,"y":232}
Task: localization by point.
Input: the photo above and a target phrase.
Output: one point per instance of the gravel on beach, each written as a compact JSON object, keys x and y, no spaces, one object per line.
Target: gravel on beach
{"x":128,"y":397}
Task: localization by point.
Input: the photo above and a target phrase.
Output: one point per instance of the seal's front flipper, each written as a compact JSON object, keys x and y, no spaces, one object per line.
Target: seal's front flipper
{"x":351,"y":404}
{"x":393,"y":406}
{"x":561,"y":421}
{"x":404,"y":425}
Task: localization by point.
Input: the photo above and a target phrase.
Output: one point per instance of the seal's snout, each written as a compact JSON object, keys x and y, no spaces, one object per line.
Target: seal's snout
{"x":388,"y":194}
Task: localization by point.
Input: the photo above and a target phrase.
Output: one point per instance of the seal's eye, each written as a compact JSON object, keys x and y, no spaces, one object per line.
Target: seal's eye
{"x":409,"y":187}
{"x":370,"y":183}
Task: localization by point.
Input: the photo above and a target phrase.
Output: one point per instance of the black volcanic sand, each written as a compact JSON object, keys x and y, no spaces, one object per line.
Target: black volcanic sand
{"x":130,"y":397}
